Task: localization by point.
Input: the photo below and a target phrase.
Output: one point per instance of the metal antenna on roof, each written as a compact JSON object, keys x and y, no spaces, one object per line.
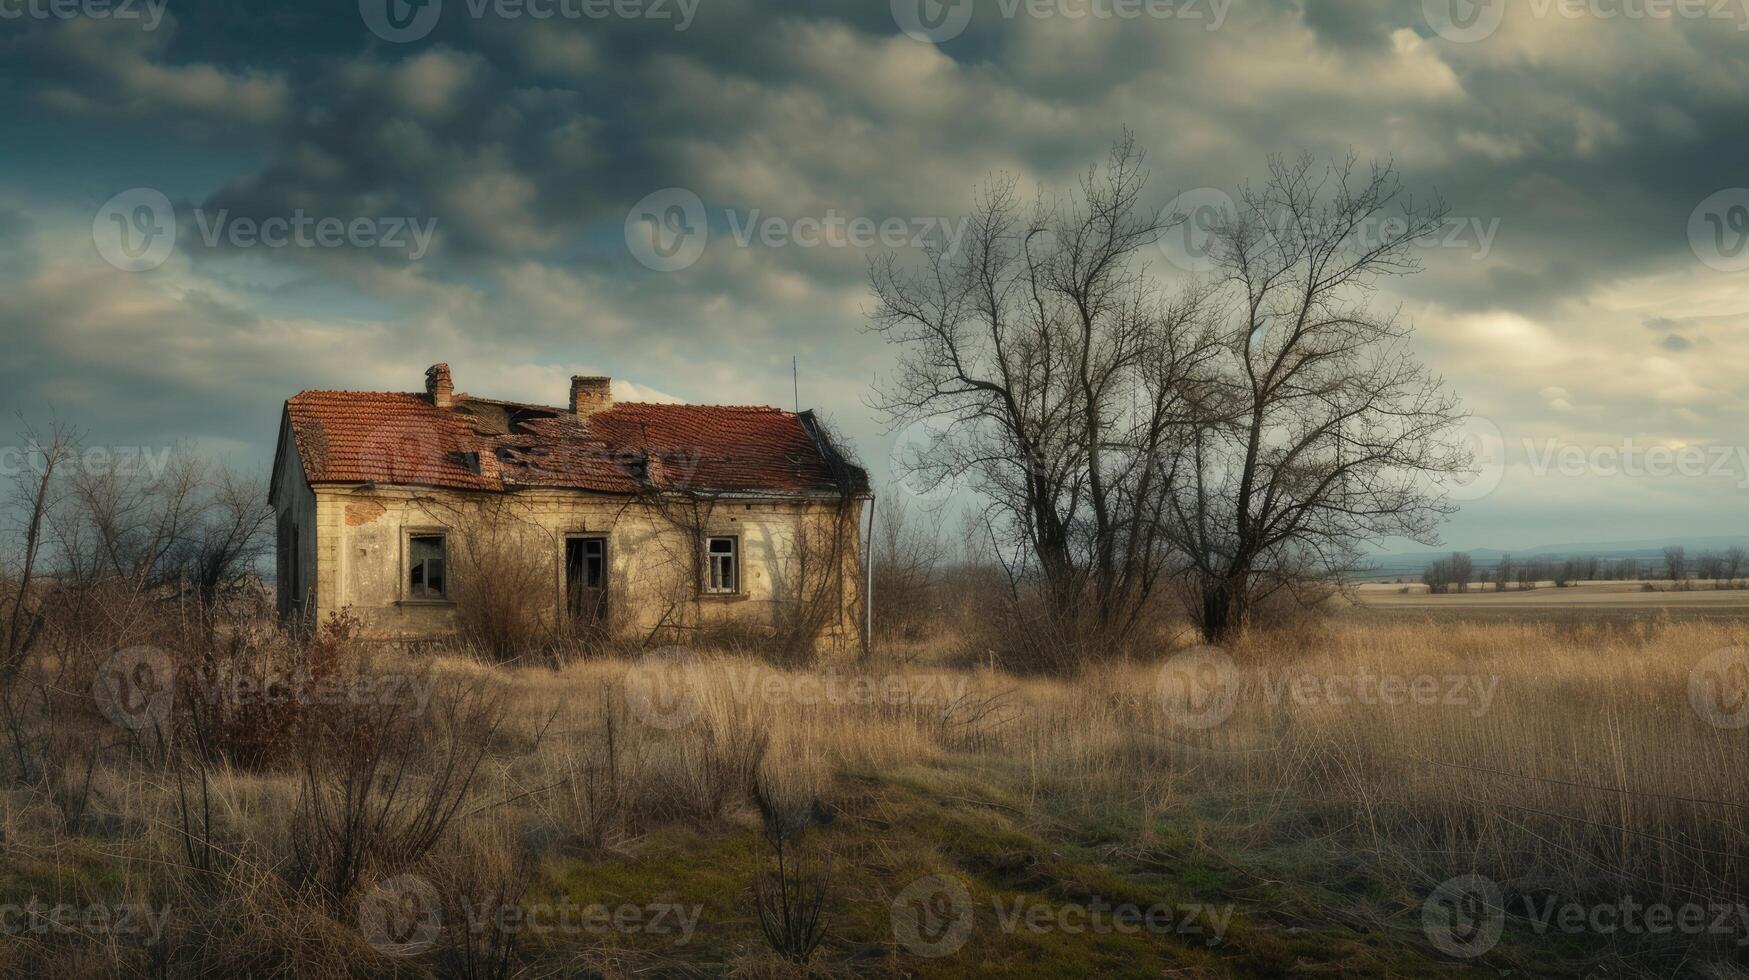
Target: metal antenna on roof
{"x":795,"y":377}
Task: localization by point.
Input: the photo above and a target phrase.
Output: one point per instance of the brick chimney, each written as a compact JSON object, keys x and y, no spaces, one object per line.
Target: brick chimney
{"x":437,"y":385}
{"x":590,"y":395}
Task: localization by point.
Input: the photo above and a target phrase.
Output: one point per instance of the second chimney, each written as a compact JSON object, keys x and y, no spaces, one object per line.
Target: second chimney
{"x":437,"y":385}
{"x":590,"y":395}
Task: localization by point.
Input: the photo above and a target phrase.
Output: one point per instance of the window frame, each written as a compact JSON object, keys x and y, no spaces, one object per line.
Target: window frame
{"x":606,"y":570}
{"x":407,"y":593}
{"x":710,"y":558}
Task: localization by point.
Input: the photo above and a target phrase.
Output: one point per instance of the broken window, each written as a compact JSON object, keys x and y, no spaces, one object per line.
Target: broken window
{"x":722,"y":565}
{"x":426,"y":573}
{"x":586,"y":577}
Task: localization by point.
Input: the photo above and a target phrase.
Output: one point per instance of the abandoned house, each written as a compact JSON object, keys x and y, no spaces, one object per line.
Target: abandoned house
{"x":419,"y":513}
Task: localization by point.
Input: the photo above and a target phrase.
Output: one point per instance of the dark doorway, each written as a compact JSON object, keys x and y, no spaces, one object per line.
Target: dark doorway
{"x":586,"y":578}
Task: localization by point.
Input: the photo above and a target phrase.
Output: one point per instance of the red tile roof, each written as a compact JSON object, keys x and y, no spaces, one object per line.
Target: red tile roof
{"x":632,"y":447}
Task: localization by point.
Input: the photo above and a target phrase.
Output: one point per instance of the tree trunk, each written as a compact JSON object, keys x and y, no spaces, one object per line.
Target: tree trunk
{"x":1223,"y":609}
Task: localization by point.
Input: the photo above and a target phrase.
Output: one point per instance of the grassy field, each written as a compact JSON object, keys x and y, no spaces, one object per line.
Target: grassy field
{"x":1368,"y":796}
{"x":1592,"y":601}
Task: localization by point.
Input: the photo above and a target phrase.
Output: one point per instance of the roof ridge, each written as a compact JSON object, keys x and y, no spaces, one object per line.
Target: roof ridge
{"x":559,"y":409}
{"x":356,"y":391}
{"x":736,"y":408}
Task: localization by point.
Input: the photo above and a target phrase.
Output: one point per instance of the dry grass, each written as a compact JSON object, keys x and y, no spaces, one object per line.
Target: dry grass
{"x":1582,"y":772}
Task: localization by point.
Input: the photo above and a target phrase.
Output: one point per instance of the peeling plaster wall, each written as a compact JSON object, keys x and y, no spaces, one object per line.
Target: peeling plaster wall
{"x":654,"y":575}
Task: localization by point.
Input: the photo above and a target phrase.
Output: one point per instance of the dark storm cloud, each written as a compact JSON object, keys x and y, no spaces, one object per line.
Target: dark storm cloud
{"x":1356,"y":25}
{"x":1582,"y":147}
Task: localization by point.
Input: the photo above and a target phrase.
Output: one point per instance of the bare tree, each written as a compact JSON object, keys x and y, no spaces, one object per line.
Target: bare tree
{"x":228,"y":537}
{"x":36,"y":489}
{"x":1322,"y":430}
{"x":1676,"y":563}
{"x":1060,"y":378}
{"x":1734,"y":559}
{"x":908,"y":552}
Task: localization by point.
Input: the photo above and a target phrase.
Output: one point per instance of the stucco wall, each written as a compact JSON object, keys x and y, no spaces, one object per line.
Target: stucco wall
{"x":654,"y":556}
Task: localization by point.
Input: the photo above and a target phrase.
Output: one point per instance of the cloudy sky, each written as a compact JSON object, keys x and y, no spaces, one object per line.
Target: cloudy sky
{"x":362,"y":188}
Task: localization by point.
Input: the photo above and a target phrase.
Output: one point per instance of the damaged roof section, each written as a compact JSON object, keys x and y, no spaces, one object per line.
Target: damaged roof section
{"x":440,"y":439}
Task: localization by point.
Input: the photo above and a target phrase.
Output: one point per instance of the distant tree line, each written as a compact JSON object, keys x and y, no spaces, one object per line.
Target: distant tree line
{"x":1458,"y":572}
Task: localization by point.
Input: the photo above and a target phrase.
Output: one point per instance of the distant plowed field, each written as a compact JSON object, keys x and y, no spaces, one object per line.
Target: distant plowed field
{"x":1617,"y":600}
